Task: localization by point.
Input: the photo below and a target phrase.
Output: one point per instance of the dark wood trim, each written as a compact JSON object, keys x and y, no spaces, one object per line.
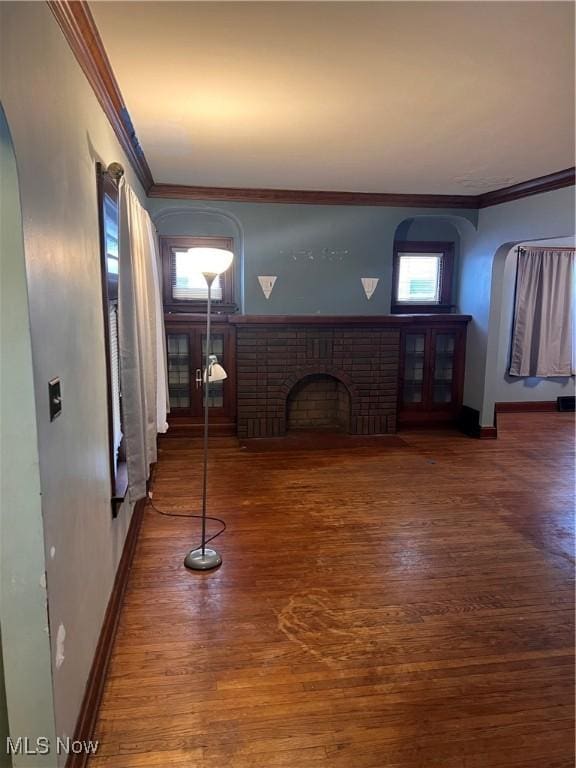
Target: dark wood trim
{"x":79,"y":28}
{"x":390,"y":320}
{"x":173,"y":309}
{"x":429,"y":309}
{"x":446,"y":276}
{"x":311,"y":197}
{"x":532,"y":406}
{"x":566,"y":404}
{"x":551,"y":181}
{"x":557,"y":180}
{"x":189,"y":421}
{"x":195,"y":318}
{"x":102,"y":183}
{"x":427,"y":412}
{"x":176,"y":306}
{"x":469,"y":423}
{"x":121,"y":487}
{"x":196,"y":429}
{"x":118,"y":469}
{"x":86,"y":722}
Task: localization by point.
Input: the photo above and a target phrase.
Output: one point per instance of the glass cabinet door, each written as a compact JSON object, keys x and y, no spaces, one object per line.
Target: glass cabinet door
{"x":414,"y":355}
{"x":216,"y":388}
{"x":443,"y":372}
{"x":179,"y":369}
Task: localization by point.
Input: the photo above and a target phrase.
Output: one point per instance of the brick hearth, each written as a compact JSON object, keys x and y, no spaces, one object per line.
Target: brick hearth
{"x":272,"y":359}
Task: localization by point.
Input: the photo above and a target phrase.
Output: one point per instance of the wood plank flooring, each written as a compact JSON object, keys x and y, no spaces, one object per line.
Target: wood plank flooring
{"x":401,"y":605}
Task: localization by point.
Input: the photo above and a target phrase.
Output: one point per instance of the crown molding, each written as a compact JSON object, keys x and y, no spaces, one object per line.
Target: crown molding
{"x":310,"y":197}
{"x":557,"y":180}
{"x":551,"y":181}
{"x":79,"y":28}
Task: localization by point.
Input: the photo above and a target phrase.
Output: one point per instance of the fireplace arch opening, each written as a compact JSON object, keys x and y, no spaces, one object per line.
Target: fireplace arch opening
{"x":318,"y":402}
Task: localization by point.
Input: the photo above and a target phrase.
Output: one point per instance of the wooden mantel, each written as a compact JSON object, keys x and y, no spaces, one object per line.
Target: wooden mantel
{"x":387,"y":320}
{"x":392,"y":321}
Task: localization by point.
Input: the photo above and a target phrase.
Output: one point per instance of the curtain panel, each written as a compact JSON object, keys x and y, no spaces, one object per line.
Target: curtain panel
{"x":543,"y":317}
{"x":141,"y":336}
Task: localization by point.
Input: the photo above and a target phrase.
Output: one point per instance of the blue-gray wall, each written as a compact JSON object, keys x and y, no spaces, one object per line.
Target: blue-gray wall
{"x":318,"y":253}
{"x":481,"y":284}
{"x":5,"y":761}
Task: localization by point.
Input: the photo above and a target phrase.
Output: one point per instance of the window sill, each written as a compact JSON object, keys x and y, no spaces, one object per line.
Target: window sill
{"x":120,"y":488}
{"x":191,"y":307}
{"x":421,"y":309}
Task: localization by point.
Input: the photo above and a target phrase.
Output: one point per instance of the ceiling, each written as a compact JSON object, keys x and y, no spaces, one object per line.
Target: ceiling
{"x":404,"y":97}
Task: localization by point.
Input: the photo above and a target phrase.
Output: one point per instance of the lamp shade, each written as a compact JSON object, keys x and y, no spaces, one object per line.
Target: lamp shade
{"x":215,"y":371}
{"x":210,"y":261}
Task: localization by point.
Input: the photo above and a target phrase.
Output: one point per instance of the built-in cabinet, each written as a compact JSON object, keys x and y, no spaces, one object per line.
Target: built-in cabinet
{"x":431,"y":375}
{"x":430,"y":366}
{"x":186,"y":354}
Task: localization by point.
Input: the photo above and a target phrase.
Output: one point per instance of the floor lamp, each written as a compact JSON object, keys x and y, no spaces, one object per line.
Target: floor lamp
{"x":211,"y":262}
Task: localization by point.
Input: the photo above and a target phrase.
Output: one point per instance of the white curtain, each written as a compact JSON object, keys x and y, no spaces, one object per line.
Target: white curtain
{"x":543,"y":320}
{"x":141,"y":337}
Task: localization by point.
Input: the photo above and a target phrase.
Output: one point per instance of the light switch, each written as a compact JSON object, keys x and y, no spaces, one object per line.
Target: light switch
{"x":55,"y":395}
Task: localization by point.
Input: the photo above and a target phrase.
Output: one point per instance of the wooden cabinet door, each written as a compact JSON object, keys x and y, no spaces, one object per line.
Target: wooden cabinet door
{"x":414,"y":370}
{"x":431,"y":374}
{"x":441,"y":393}
{"x":221,"y":394}
{"x":179,"y":343}
{"x":446,"y":370}
{"x":186,"y":357}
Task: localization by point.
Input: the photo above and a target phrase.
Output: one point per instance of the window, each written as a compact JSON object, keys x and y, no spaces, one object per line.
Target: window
{"x":184,"y":289}
{"x":419,"y":277}
{"x":422,"y":277}
{"x":110,"y":270}
{"x":190,"y":285}
{"x":111,"y":234}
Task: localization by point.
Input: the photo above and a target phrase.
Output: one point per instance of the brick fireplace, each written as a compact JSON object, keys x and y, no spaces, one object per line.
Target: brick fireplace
{"x":284,"y":365}
{"x":318,"y":402}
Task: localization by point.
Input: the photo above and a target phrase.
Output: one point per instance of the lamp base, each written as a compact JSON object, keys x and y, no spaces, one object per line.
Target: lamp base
{"x":197,"y":561}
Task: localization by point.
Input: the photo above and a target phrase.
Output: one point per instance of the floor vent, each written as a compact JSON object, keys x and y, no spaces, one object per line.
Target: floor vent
{"x":566,"y":403}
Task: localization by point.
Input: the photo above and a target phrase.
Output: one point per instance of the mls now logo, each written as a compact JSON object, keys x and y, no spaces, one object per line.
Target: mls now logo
{"x":24,"y":745}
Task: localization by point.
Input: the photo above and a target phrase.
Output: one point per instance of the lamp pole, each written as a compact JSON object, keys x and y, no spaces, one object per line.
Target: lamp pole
{"x":210,"y":262}
{"x":209,"y":280}
{"x":204,"y":559}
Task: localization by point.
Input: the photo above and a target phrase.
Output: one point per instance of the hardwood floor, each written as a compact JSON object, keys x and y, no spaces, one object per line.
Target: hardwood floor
{"x":401,"y":605}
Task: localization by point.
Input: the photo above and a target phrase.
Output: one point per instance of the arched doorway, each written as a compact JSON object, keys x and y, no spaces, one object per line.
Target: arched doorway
{"x":499,"y":386}
{"x":23,"y":608}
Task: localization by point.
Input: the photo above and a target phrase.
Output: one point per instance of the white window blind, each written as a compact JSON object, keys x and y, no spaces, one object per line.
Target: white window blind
{"x":189,"y":285}
{"x":419,"y":277}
